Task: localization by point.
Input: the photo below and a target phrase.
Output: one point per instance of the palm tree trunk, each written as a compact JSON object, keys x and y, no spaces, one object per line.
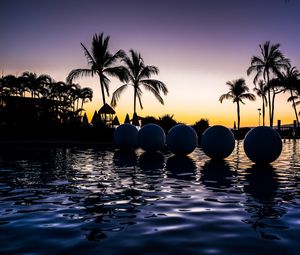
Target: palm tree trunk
{"x":134,"y":101}
{"x":273,"y":108}
{"x":263,"y":110}
{"x":269,"y":101}
{"x":238,"y":114}
{"x":102,"y":90}
{"x":103,"y":96}
{"x":294,"y":106}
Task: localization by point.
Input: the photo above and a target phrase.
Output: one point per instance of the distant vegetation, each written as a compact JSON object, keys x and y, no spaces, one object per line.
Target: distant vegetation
{"x":31,"y":100}
{"x":273,"y":74}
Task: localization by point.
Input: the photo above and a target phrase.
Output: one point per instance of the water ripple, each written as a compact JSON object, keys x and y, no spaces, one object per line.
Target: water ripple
{"x":74,"y":200}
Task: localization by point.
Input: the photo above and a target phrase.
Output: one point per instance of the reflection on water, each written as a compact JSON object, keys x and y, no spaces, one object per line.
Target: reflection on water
{"x":217,"y":174}
{"x":181,"y":167}
{"x":102,"y":200}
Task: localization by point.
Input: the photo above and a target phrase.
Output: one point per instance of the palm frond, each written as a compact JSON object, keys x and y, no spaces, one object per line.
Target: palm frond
{"x":79,"y":73}
{"x":91,"y":60}
{"x":154,"y":92}
{"x":147,"y":71}
{"x":116,"y":95}
{"x":226,"y":96}
{"x":248,"y":96}
{"x":117,"y":71}
{"x":158,"y":85}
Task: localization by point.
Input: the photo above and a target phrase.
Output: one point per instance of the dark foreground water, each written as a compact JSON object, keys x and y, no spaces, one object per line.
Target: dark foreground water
{"x":56,"y":200}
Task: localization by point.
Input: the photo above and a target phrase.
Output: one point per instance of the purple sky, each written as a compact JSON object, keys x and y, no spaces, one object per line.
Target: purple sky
{"x":197,"y":45}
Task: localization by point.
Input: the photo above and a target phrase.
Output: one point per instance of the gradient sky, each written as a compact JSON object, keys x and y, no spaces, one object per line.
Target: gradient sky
{"x":197,"y":45}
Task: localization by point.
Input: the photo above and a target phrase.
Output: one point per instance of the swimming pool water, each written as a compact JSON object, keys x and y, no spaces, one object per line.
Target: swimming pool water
{"x":79,"y":200}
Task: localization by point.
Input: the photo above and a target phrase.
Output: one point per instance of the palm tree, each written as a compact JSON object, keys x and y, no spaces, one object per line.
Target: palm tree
{"x":261,"y":91}
{"x":101,"y":62}
{"x":291,"y":82}
{"x":238,"y":90}
{"x":36,"y":84}
{"x":271,"y":62}
{"x":138,"y":75}
{"x":86,"y":94}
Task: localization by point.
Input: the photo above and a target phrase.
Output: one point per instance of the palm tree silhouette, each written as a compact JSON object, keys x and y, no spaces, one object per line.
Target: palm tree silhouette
{"x":86,"y":94}
{"x":101,"y":63}
{"x":261,"y":91}
{"x":138,"y":75}
{"x":272,"y":62}
{"x":238,"y":90}
{"x":36,"y":84}
{"x":291,"y":82}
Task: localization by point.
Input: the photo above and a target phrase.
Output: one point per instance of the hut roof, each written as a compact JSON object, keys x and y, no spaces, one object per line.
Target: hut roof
{"x":106,"y":109}
{"x":127,"y":120}
{"x":116,"y":121}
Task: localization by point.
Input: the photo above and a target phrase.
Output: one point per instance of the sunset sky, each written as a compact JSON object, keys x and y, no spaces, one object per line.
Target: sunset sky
{"x":197,"y":46}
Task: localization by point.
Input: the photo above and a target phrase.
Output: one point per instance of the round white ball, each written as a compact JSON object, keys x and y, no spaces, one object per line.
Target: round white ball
{"x":125,"y":136}
{"x":217,"y":142}
{"x":182,"y":139}
{"x":151,"y":138}
{"x":262,"y":145}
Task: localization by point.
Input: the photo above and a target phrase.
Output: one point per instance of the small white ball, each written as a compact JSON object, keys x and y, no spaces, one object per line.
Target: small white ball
{"x":125,"y":136}
{"x":217,"y":142}
{"x":182,"y":139}
{"x":262,"y":145}
{"x":151,"y":138}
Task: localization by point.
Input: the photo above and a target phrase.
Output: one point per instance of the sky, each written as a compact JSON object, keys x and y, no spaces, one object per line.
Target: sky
{"x":198,"y":45}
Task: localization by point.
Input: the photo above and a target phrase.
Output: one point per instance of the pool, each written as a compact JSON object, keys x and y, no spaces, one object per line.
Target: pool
{"x":79,"y":200}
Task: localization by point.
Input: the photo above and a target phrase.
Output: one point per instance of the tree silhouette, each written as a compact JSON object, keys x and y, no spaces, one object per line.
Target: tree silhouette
{"x":261,"y":90}
{"x":37,"y":85}
{"x":270,"y":63}
{"x":238,"y":90}
{"x":101,"y":63}
{"x":138,"y":75}
{"x":291,"y":82}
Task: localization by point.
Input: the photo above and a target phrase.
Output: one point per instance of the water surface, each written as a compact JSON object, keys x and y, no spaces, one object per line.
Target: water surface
{"x":59,"y":200}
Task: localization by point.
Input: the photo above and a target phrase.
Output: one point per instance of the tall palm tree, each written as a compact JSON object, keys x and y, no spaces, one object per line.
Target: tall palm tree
{"x":270,"y":63}
{"x":101,"y":62}
{"x":261,"y":91}
{"x":238,"y":90}
{"x":291,"y":82}
{"x":138,"y":76}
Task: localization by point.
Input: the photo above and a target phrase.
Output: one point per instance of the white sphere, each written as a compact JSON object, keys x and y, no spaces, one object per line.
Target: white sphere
{"x":262,"y":145}
{"x":182,"y":139}
{"x":125,"y":136}
{"x":217,"y":142}
{"x":151,"y":138}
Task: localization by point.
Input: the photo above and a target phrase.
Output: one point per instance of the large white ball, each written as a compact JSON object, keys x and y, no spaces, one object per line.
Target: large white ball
{"x":151,"y":138}
{"x":182,"y":139}
{"x":262,"y":145}
{"x":125,"y":136}
{"x":217,"y":142}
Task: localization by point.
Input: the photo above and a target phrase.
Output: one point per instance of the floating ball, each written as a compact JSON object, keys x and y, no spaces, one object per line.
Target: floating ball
{"x":151,"y":138}
{"x":125,"y":136}
{"x":182,"y":139}
{"x":262,"y":145}
{"x":217,"y":142}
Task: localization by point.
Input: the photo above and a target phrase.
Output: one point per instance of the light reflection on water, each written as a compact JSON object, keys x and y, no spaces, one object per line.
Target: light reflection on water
{"x":74,"y":200}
